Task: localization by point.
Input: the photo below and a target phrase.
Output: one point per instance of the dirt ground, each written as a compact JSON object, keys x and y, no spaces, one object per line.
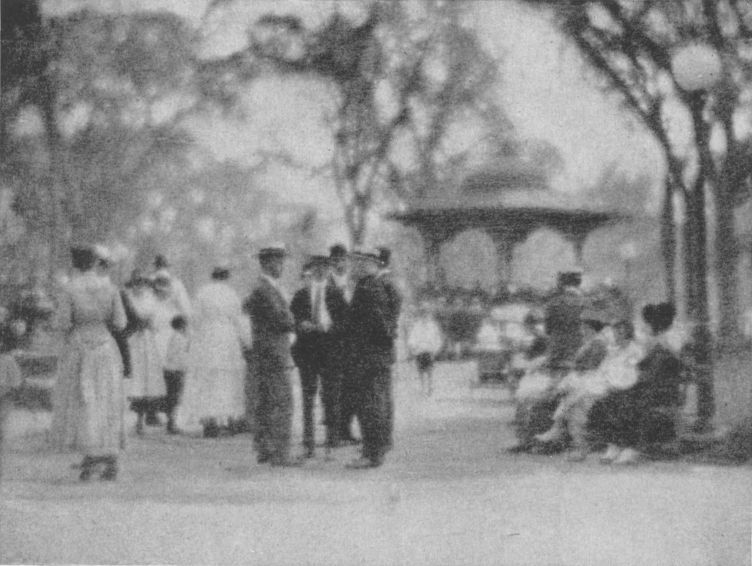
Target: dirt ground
{"x":448,"y":494}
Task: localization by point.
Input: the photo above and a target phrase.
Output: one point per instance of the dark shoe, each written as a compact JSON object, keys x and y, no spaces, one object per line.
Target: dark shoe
{"x":287,"y":463}
{"x":211,"y":429}
{"x":520,"y":448}
{"x":87,"y":468}
{"x":363,"y":463}
{"x":111,"y":469}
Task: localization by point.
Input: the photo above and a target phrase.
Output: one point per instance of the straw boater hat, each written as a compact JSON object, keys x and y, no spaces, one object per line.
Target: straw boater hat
{"x":277,"y":249}
{"x":368,"y":254}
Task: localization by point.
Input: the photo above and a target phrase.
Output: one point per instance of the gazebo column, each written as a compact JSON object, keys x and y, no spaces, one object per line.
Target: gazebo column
{"x":433,"y":239}
{"x":504,"y":242}
{"x":577,"y":239}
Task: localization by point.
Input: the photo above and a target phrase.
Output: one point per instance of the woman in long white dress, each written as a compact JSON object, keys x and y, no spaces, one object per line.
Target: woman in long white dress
{"x":214,"y":395}
{"x":88,"y":407}
{"x":146,"y":388}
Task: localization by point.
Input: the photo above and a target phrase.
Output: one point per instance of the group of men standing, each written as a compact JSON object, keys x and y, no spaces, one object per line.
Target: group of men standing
{"x":340,"y":329}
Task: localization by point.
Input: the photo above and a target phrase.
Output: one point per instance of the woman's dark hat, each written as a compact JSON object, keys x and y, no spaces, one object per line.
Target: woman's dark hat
{"x":337,"y":251}
{"x":659,"y":316}
{"x":571,"y":278}
{"x":160,"y":262}
{"x":83,"y":256}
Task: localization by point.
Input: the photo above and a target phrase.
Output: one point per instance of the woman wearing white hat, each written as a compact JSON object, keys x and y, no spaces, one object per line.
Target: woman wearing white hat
{"x":215,"y":382}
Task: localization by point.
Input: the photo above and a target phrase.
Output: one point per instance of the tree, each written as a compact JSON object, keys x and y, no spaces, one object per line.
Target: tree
{"x":111,"y":95}
{"x":630,"y":45}
{"x":401,"y":82}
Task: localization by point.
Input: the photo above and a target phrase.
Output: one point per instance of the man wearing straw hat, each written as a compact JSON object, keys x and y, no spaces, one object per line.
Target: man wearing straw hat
{"x":273,"y":325}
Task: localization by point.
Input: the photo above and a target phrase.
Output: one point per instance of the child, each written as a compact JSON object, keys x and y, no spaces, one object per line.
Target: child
{"x":10,"y":380}
{"x":175,"y":366}
{"x":424,"y":341}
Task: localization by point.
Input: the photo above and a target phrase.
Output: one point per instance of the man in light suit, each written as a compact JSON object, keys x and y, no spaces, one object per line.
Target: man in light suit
{"x":318,"y":309}
{"x":273,"y":325}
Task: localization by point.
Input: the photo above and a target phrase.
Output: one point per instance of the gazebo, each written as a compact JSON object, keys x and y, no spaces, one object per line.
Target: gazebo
{"x":508,"y":207}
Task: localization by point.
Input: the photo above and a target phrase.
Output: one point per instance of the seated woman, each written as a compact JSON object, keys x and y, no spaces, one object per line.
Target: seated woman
{"x":618,"y":371}
{"x":644,"y":415}
{"x":539,"y":392}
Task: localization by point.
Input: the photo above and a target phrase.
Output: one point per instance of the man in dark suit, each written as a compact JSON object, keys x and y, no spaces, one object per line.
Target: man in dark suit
{"x":372,"y":346}
{"x":339,"y":277}
{"x":273,"y":325}
{"x":563,"y":324}
{"x":395,"y":305}
{"x":563,"y":321}
{"x":319,"y":310}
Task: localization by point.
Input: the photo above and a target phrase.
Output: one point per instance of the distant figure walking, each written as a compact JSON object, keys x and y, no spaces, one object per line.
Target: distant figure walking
{"x":88,"y":410}
{"x":273,"y":325}
{"x":424,"y":341}
{"x":10,"y":380}
{"x":214,"y":392}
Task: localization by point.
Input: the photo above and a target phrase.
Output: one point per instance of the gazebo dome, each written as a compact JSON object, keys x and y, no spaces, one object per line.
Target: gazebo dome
{"x":511,"y":174}
{"x":508,"y":201}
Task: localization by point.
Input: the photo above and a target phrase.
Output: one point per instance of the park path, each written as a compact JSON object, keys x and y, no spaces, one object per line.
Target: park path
{"x":448,"y":494}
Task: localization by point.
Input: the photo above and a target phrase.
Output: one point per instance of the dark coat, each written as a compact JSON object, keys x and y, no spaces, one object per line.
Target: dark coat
{"x":370,"y":322}
{"x":659,"y":378}
{"x":394,"y":302}
{"x":563,"y":327}
{"x":591,"y":355}
{"x":310,"y":344}
{"x":272,"y":322}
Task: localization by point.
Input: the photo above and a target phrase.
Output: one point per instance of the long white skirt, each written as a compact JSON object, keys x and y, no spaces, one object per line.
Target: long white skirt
{"x":147,"y":379}
{"x":215,"y":380}
{"x":88,"y":406}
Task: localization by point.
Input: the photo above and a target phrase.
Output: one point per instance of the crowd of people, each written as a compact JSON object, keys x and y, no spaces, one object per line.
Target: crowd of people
{"x":219,"y":364}
{"x":598,"y":382}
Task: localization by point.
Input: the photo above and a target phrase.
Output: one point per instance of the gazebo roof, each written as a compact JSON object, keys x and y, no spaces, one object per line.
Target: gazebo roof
{"x":511,"y":210}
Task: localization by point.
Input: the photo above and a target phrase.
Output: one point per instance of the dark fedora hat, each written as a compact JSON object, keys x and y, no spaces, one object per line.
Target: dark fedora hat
{"x":273,"y":250}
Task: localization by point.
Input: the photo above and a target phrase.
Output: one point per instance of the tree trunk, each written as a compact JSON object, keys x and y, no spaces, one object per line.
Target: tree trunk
{"x":668,"y":240}
{"x":726,"y":264}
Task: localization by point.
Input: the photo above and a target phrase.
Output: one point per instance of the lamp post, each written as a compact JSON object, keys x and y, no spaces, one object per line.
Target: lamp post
{"x":697,"y":67}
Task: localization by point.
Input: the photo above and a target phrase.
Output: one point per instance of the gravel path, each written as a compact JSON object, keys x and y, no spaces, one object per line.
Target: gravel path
{"x":448,"y":494}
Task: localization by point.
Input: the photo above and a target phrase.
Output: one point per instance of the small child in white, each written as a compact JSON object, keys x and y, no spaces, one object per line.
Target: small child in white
{"x":424,"y":341}
{"x":10,"y":380}
{"x":176,"y":364}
